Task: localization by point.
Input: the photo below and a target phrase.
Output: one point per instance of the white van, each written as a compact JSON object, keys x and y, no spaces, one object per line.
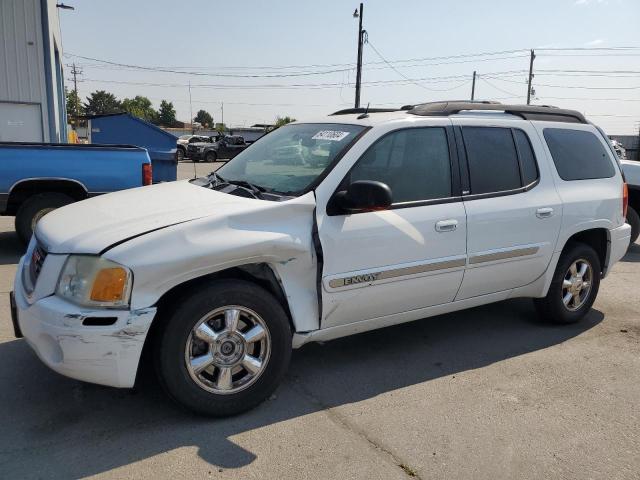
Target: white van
{"x":372,"y":218}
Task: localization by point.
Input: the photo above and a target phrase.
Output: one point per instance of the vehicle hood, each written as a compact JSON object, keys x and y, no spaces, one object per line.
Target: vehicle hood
{"x":93,"y":225}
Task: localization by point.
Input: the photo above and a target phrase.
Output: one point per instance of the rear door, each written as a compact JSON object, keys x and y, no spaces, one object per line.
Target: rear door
{"x":410,"y":256}
{"x":513,"y":209}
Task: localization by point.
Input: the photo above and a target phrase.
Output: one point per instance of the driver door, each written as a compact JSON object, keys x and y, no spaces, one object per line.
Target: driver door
{"x":409,"y":256}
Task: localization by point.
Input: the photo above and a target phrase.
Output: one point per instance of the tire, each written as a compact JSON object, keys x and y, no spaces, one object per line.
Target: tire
{"x":633,"y":219}
{"x":553,"y":307}
{"x":180,"y":155}
{"x":34,"y":208}
{"x":210,"y":157}
{"x":176,"y":346}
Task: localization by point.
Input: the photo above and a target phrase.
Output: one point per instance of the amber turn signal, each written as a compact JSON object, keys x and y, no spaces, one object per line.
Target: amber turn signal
{"x":109,"y":285}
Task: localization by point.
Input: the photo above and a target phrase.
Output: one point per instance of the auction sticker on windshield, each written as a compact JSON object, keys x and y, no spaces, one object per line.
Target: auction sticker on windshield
{"x":333,"y":135}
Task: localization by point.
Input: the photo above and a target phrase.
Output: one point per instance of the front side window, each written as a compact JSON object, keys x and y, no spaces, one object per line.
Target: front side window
{"x":414,"y":163}
{"x":492,"y":159}
{"x":578,"y":154}
{"x":291,"y":158}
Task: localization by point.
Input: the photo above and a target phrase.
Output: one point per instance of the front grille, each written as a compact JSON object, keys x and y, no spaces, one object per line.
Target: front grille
{"x":35,"y":265}
{"x":192,"y":149}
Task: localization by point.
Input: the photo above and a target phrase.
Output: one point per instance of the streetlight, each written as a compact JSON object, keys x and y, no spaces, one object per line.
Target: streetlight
{"x":64,"y":7}
{"x":361,"y":34}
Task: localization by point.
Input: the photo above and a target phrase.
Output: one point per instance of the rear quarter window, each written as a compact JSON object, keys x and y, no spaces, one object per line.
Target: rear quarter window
{"x":578,"y":154}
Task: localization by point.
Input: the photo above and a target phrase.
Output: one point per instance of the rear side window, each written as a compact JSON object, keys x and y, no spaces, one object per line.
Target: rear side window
{"x":578,"y":154}
{"x":527,"y":158}
{"x":492,"y":159}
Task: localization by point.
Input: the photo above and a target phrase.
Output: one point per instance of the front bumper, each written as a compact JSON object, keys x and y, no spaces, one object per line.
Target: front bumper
{"x":107,"y":355}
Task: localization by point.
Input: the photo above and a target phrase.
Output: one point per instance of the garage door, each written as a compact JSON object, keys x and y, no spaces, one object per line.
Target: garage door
{"x":20,"y":122}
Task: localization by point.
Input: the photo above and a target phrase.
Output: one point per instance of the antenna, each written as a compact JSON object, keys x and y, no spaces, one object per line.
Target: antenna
{"x":365,"y":114}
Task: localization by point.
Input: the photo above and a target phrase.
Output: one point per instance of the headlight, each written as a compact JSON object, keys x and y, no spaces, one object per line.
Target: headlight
{"x":92,"y":281}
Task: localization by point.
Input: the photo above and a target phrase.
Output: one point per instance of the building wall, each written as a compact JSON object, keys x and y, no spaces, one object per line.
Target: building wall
{"x":31,"y":80}
{"x":631,"y":143}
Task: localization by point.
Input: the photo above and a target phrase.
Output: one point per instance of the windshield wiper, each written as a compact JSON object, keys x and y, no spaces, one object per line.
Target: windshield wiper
{"x":255,"y":189}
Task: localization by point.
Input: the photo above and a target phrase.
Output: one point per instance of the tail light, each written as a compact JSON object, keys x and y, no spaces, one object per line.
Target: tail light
{"x":625,"y":199}
{"x":147,"y":175}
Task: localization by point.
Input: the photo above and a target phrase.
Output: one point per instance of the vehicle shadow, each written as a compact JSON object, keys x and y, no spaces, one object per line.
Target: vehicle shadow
{"x":11,"y":249}
{"x":633,"y":254}
{"x":79,"y":429}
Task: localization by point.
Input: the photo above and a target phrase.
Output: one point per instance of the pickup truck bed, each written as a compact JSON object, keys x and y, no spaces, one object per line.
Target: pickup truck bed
{"x":35,"y":178}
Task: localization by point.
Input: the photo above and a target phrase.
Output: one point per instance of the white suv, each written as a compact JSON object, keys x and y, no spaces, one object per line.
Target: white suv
{"x":319,"y":230}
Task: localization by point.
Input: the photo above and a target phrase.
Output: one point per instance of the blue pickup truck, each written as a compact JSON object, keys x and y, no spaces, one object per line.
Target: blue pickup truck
{"x":36,"y":178}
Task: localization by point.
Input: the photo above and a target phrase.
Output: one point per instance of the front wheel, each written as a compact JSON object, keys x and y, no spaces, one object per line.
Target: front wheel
{"x":210,"y":157}
{"x":179,"y":155}
{"x":224,"y":349}
{"x":574,"y":286}
{"x":34,"y":208}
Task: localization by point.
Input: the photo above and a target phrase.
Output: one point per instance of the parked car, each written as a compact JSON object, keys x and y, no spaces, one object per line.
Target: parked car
{"x":416,"y":212}
{"x":631,"y":171}
{"x":226,"y":147}
{"x":184,"y":141}
{"x":36,"y":178}
{"x":620,"y":150}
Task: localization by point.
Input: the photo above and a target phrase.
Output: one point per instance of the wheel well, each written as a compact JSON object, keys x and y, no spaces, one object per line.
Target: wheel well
{"x":259,"y":273}
{"x":25,"y":189}
{"x":596,"y":238}
{"x":634,"y":199}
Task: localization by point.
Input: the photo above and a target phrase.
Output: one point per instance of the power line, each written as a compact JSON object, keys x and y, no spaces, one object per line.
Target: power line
{"x":572,"y":86}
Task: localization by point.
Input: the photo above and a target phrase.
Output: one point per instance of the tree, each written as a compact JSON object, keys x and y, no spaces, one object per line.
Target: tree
{"x":203,"y":118}
{"x":140,"y":107}
{"x":74,"y":106}
{"x":280,"y":121}
{"x":100,"y":102}
{"x":167,"y":114}
{"x":221,"y":127}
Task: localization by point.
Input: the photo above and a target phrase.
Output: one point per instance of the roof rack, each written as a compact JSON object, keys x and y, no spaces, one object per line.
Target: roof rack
{"x":527,"y":112}
{"x":349,"y":111}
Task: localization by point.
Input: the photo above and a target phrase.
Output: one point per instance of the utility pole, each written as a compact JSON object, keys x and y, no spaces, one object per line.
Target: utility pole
{"x":473,"y":86}
{"x":359,"y":66}
{"x":222,"y":111}
{"x":533,"y":55}
{"x":193,"y":130}
{"x":75,"y":71}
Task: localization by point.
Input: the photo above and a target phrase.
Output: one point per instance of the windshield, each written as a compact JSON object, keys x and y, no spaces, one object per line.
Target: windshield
{"x":290,"y":158}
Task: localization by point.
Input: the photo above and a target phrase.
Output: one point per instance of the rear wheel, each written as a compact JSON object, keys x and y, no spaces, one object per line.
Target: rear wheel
{"x":633,"y":219}
{"x":34,"y":208}
{"x":211,"y":157}
{"x":574,"y":286}
{"x":224,"y":349}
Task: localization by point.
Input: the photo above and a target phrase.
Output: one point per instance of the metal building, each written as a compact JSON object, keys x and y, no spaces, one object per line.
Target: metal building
{"x":32,"y":99}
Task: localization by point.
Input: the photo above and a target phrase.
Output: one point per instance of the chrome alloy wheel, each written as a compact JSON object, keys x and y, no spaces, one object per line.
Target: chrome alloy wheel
{"x":576,"y":285}
{"x":227,"y":350}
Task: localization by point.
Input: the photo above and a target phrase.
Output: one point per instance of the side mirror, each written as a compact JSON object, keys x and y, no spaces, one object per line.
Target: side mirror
{"x":360,"y":196}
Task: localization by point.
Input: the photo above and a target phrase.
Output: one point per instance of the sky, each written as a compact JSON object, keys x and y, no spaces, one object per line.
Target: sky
{"x":264,"y":59}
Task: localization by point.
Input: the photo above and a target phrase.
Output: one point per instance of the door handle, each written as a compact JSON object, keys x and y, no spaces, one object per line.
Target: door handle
{"x":446,"y":225}
{"x":545,"y":212}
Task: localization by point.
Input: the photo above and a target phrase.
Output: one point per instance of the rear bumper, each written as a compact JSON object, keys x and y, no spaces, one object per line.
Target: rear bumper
{"x":619,"y":239}
{"x":107,"y":355}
